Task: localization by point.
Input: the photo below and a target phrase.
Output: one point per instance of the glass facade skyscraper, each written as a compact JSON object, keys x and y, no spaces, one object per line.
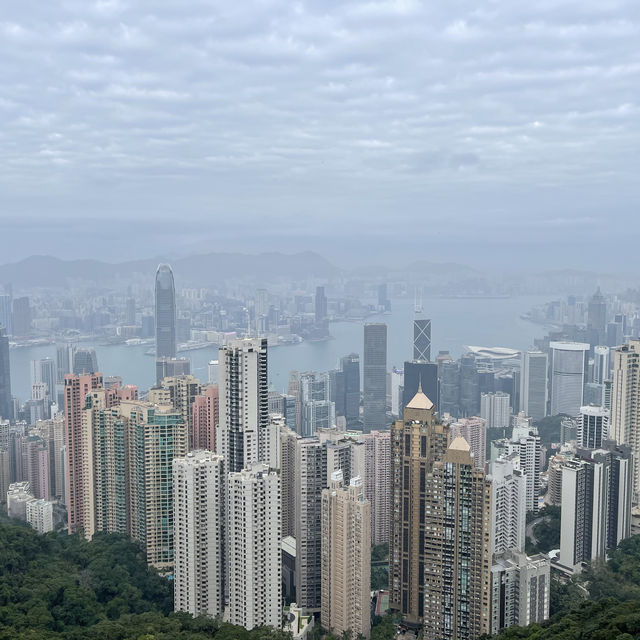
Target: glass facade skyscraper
{"x":165,"y":313}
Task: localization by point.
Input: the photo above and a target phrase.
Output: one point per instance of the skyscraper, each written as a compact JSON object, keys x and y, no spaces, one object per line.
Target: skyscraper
{"x":424,"y":374}
{"x":346,"y":558}
{"x":457,"y":540}
{"x":6,"y":406}
{"x":597,"y":316}
{"x":5,"y":313}
{"x":601,"y":367}
{"x":450,"y":388}
{"x":495,"y":409}
{"x":377,"y":483}
{"x":593,"y":426}
{"x":85,"y":361}
{"x":596,"y":504}
{"x":417,"y":442}
{"x":509,"y":499}
{"x":321,"y":305}
{"x":244,"y":403}
{"x":422,"y":339}
{"x":253,"y":547}
{"x":469,"y":386}
{"x":198,"y":521}
{"x":351,"y":370}
{"x":474,"y":431}
{"x":21,"y":317}
{"x":625,"y":403}
{"x":165,"y":313}
{"x":533,"y":384}
{"x":568,"y":375}
{"x":205,"y":417}
{"x":375,"y":376}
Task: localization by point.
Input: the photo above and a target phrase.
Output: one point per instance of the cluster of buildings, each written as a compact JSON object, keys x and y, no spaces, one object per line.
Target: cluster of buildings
{"x":263,"y":507}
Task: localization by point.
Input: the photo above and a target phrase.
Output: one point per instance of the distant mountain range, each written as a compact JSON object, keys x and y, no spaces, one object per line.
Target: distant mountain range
{"x":200,"y":270}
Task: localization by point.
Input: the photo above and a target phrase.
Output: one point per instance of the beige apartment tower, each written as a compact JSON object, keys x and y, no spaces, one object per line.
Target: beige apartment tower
{"x":346,"y":558}
{"x":457,"y":539}
{"x":417,"y":442}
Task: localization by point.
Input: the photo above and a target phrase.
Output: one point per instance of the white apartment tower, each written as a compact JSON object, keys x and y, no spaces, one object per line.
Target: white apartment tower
{"x":593,"y":426}
{"x":495,"y":409}
{"x":509,"y":504}
{"x":253,"y":548}
{"x":244,"y":409}
{"x":346,"y":558}
{"x":198,"y":507}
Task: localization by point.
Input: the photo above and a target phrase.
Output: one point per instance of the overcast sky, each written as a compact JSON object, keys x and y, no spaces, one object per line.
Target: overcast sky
{"x":468,"y":131}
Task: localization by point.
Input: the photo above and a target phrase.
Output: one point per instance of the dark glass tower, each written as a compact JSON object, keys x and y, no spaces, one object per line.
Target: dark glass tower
{"x":6,"y":408}
{"x":375,"y":376}
{"x":422,"y":340}
{"x":165,"y":313}
{"x":351,"y":372}
{"x":420,"y":374}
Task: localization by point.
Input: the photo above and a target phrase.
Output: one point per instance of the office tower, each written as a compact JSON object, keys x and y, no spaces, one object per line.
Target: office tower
{"x":377,"y":483}
{"x":593,"y":426}
{"x":310,"y":480}
{"x":321,"y":305}
{"x":596,"y":504}
{"x":417,"y":442}
{"x":601,"y":360}
{"x":5,"y":313}
{"x":615,"y":334}
{"x":594,"y":394}
{"x":423,"y":374}
{"x":244,"y":404}
{"x":422,"y":339}
{"x":469,"y":386}
{"x":64,"y":361}
{"x":253,"y":547}
{"x":474,"y":431}
{"x":165,"y":313}
{"x":156,"y":434}
{"x":288,"y":445}
{"x":212,"y":372}
{"x":375,"y":376}
{"x":625,"y":400}
{"x":457,"y":540}
{"x":79,"y":477}
{"x":130,"y":311}
{"x":21,"y":317}
{"x":450,"y":388}
{"x":350,"y":366}
{"x":205,"y":417}
{"x":85,"y":361}
{"x":338,"y":395}
{"x":520,"y":589}
{"x":597,"y":316}
{"x":182,"y":392}
{"x":172,"y":367}
{"x":198,"y":527}
{"x":533,"y":384}
{"x":569,"y":362}
{"x":346,"y":558}
{"x":6,"y":406}
{"x":104,"y":490}
{"x":509,"y":499}
{"x":495,"y":409}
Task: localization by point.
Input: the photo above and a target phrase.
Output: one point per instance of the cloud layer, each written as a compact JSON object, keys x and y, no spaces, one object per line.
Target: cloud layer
{"x":492,"y":121}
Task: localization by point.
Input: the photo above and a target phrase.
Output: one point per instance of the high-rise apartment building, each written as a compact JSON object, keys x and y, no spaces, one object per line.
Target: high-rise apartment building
{"x":198,"y":529}
{"x":6,"y":406}
{"x":375,"y":376}
{"x":346,"y":558}
{"x":474,"y":431}
{"x":288,"y":446}
{"x":171,"y":368}
{"x":525,"y":443}
{"x":422,"y":339}
{"x":78,"y":447}
{"x":534,"y":392}
{"x":156,"y":434}
{"x":509,"y":504}
{"x":625,"y":405}
{"x":457,"y":540}
{"x":244,"y":403}
{"x":495,"y":409}
{"x":417,"y":442}
{"x":569,"y":361}
{"x":596,"y":504}
{"x":310,"y":480}
{"x":593,"y":426}
{"x":377,"y":483}
{"x":601,"y":364}
{"x":253,"y":547}
{"x":204,"y":418}
{"x":520,"y":589}
{"x":181,"y":392}
{"x":165,"y":299}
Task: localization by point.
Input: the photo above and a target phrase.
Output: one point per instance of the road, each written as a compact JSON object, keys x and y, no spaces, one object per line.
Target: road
{"x":531,"y":525}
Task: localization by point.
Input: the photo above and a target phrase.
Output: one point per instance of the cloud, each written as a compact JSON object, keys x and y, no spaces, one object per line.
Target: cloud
{"x":266,"y":109}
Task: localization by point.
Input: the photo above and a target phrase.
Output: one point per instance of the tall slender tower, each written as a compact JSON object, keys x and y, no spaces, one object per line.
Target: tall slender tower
{"x":457,"y":577}
{"x":346,"y":559}
{"x":375,"y":375}
{"x":205,"y":418}
{"x":377,"y":482}
{"x":6,"y":409}
{"x":417,"y":442}
{"x":422,"y":339}
{"x":533,"y":384}
{"x":244,"y":403}
{"x":165,"y":313}
{"x":198,"y":521}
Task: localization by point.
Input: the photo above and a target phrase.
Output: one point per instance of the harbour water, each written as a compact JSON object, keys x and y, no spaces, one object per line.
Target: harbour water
{"x":456,"y":322}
